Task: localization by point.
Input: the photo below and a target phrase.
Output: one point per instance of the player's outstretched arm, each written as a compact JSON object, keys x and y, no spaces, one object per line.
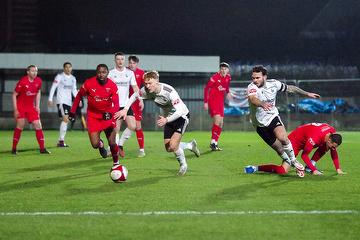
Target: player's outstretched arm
{"x":295,"y":89}
{"x":265,"y":105}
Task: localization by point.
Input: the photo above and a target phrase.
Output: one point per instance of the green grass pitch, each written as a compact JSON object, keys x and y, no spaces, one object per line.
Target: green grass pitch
{"x":69,"y":195}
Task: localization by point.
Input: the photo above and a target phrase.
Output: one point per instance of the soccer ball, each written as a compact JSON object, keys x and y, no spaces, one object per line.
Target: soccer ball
{"x":118,"y":173}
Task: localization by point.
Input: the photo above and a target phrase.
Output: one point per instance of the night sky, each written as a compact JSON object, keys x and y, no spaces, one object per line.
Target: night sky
{"x":246,"y":30}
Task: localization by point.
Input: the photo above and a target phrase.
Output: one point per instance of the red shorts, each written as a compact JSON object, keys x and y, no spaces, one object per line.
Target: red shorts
{"x":136,"y":110}
{"x":216,"y":109}
{"x":30,"y":114}
{"x":98,"y":124}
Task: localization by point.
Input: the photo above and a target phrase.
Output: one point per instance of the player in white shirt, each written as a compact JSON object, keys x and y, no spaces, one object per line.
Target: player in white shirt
{"x":65,"y":84}
{"x":124,"y":78}
{"x":265,"y":116}
{"x":174,"y":117}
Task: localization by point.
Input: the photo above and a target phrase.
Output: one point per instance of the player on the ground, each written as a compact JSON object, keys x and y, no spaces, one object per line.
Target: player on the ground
{"x":305,"y":138}
{"x":174,"y":118}
{"x":28,"y":91}
{"x":265,"y":116}
{"x":133,"y":62}
{"x":123,"y":78}
{"x":214,"y":93}
{"x":65,"y":84}
{"x":103,"y":102}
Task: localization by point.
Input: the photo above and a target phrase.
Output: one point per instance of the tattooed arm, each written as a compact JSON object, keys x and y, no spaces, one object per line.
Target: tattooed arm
{"x":295,"y":89}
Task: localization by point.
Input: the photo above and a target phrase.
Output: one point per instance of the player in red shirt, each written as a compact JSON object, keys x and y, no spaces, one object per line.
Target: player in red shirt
{"x":28,"y":91}
{"x":305,"y":138}
{"x":133,"y":62}
{"x":103,"y":102}
{"x":214,"y":94}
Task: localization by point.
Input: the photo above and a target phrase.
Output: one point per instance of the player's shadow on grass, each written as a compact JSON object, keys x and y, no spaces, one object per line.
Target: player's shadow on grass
{"x":243,"y":191}
{"x":25,"y":150}
{"x":64,"y":165}
{"x":312,"y":178}
{"x":110,"y":187}
{"x":12,"y":187}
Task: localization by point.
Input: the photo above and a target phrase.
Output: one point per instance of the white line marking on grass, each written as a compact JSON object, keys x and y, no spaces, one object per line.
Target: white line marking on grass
{"x":184,"y":213}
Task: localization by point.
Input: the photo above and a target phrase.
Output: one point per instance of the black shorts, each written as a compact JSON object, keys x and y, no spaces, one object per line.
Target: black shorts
{"x":267,"y":133}
{"x":63,"y":110}
{"x":179,"y":126}
{"x":129,"y":112}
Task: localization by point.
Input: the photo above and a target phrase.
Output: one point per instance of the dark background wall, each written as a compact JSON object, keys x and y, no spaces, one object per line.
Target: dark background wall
{"x":248,"y":30}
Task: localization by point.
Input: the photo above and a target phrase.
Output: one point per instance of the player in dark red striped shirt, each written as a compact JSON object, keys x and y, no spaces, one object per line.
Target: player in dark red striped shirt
{"x":28,"y":91}
{"x":103,"y":102}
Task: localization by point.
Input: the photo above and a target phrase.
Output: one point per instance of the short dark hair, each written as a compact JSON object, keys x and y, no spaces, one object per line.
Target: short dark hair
{"x":119,"y":54}
{"x":224,"y":64}
{"x":30,"y":66}
{"x":133,"y":58}
{"x":260,"y":68}
{"x":66,"y":63}
{"x":102,"y":65}
{"x":336,"y":138}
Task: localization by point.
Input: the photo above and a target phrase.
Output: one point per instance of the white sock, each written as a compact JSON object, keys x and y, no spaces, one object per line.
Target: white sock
{"x":117,"y":138}
{"x":213,"y":141}
{"x":63,"y":128}
{"x":289,"y":151}
{"x":180,"y":156}
{"x":125,"y":136}
{"x":285,"y":157}
{"x":184,"y":145}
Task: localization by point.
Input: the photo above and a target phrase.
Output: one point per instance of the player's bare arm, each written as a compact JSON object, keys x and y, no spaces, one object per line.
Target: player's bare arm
{"x":14,"y":98}
{"x":295,"y":89}
{"x":37,"y":101}
{"x":206,"y":106}
{"x":265,"y":105}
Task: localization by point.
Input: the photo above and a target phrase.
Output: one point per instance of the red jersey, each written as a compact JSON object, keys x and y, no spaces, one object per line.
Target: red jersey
{"x":100,"y":98}
{"x":139,"y":76}
{"x":27,"y":91}
{"x":216,"y":88}
{"x":310,"y":136}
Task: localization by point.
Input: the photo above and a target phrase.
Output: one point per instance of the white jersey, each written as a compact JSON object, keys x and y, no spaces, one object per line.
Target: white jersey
{"x":168,"y":100}
{"x":123,"y":80}
{"x":66,"y":88}
{"x":266,"y":93}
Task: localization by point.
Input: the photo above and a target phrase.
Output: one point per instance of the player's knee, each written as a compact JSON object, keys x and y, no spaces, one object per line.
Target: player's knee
{"x":65,"y":119}
{"x":167,"y":147}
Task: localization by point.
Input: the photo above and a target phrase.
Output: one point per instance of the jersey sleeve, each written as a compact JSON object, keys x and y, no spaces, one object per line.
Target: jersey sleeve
{"x":18,"y":87}
{"x":252,"y":90}
{"x":115,"y":98}
{"x":82,"y":92}
{"x":133,"y":79}
{"x":309,"y":145}
{"x":228,"y":85}
{"x":280,"y":86}
{"x":207,"y":88}
{"x":54,"y":86}
{"x":335,"y":158}
{"x":178,"y":104}
{"x":74,"y":89}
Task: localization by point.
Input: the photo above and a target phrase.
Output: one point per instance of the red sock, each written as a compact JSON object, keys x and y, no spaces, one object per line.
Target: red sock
{"x":40,"y":138}
{"x":215,"y":132}
{"x":272,"y":169}
{"x":140,"y":138}
{"x":16,"y":137}
{"x":115,"y":153}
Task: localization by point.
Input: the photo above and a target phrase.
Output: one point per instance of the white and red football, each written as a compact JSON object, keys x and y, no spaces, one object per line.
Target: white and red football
{"x":118,"y":173}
